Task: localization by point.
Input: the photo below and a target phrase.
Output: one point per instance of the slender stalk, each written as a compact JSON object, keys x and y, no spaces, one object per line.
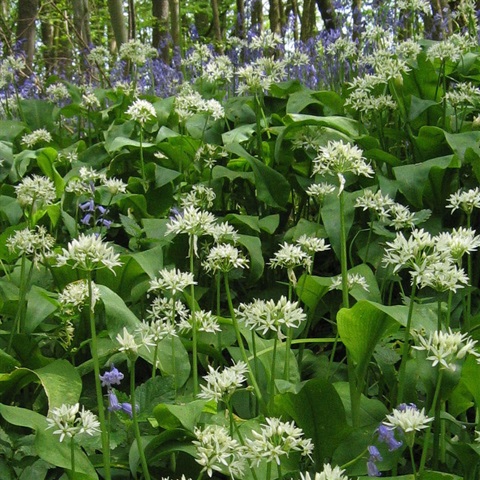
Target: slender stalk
{"x":343,"y":254}
{"x":98,"y":386}
{"x":194,"y":324}
{"x":405,"y":348}
{"x":136,"y":428}
{"x":426,"y":440}
{"x":72,"y":456}
{"x":272,"y":372}
{"x":252,"y":378}
{"x":154,"y":365}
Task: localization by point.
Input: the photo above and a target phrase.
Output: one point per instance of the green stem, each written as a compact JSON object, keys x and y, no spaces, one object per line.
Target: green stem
{"x":343,"y":254}
{"x":136,"y":428}
{"x":252,"y":378}
{"x":433,"y":408}
{"x":194,"y":323}
{"x":470,"y":277}
{"x":412,"y":461}
{"x":98,"y":386}
{"x":142,"y":163}
{"x":154,"y":365}
{"x":72,"y":456}
{"x":405,"y":348}
{"x":449,"y":309}
{"x":272,"y":372}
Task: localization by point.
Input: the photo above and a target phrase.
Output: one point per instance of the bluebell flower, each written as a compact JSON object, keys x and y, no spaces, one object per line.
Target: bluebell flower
{"x":113,"y":377}
{"x":387,"y":436}
{"x":113,"y":401}
{"x":372,"y":469}
{"x":374,"y":454}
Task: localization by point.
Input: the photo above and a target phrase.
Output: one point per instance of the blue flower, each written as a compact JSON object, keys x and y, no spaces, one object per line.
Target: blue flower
{"x":387,"y":436}
{"x":372,"y":469}
{"x":113,"y":377}
{"x":374,"y":454}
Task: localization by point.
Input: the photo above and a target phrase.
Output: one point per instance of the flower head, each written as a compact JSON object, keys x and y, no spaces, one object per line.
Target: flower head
{"x":35,"y":192}
{"x":328,"y":473}
{"x":172,"y":280}
{"x":221,"y":384}
{"x":88,"y":253}
{"x":68,"y":424}
{"x":223,"y":258}
{"x":142,"y":111}
{"x":408,"y":418}
{"x":467,"y":201}
{"x":37,"y":136}
{"x":338,"y":158}
{"x":112,"y":377}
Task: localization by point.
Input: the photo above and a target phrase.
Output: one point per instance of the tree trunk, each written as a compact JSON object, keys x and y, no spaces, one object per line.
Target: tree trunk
{"x":27,"y":14}
{"x":217,"y":32}
{"x":115,"y":9}
{"x":308,"y":20}
{"x":132,"y":20}
{"x":275,"y":16}
{"x":357,"y":19}
{"x":257,"y":15}
{"x":81,"y":21}
{"x":160,"y":34}
{"x":292,"y":8}
{"x":327,"y":11}
{"x":175,"y":25}
{"x":5,"y":31}
{"x":440,"y":28}
{"x":240,"y":19}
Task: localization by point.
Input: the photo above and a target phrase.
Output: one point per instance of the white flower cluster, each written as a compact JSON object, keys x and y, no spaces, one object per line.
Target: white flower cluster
{"x":9,"y":66}
{"x":465,"y":94}
{"x":353,"y":279}
{"x":408,"y":418}
{"x":218,"y":451}
{"x":37,"y":136}
{"x":320,"y":190}
{"x":194,"y":222}
{"x":223,"y":258}
{"x":222,"y":384}
{"x":189,"y":102}
{"x":446,"y":348}
{"x":434,"y":261}
{"x":172,"y":280}
{"x":199,"y":196}
{"x":275,"y":440}
{"x":142,"y":111}
{"x":35,"y":192}
{"x":268,"y":315}
{"x":57,"y":92}
{"x":388,"y":211}
{"x":328,"y":473}
{"x":338,"y":158}
{"x":258,"y":76}
{"x":75,"y":295}
{"x":90,"y":101}
{"x":205,"y":321}
{"x":421,"y":6}
{"x":137,"y":52}
{"x":68,"y":424}
{"x":466,"y":200}
{"x":88,"y":253}
{"x":37,"y":244}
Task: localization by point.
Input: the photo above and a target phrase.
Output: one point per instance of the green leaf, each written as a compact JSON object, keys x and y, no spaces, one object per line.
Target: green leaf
{"x":272,"y":187}
{"x":39,"y":307}
{"x":179,"y":416}
{"x":47,"y":444}
{"x":360,"y":329}
{"x":318,"y":410}
{"x":37,"y":113}
{"x":418,"y":106}
{"x":238,"y":135}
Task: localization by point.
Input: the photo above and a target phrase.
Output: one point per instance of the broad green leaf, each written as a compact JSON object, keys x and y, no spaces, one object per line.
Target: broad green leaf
{"x":459,"y":142}
{"x":272,"y":187}
{"x":257,"y":263}
{"x":10,"y":129}
{"x":173,"y":360}
{"x":311,"y":289}
{"x":10,"y":210}
{"x":360,"y":329}
{"x":47,"y":445}
{"x":239,"y":134}
{"x":348,"y":126}
{"x":414,"y":179}
{"x":37,"y":113}
{"x":418,"y":106}
{"x":179,"y":416}
{"x":318,"y":410}
{"x":40,"y":305}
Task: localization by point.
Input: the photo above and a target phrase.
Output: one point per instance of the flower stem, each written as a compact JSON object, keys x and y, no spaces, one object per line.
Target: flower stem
{"x":252,"y":378}
{"x":406,"y":346}
{"x":136,"y":428}
{"x":98,"y":386}
{"x":72,"y":455}
{"x":194,"y":325}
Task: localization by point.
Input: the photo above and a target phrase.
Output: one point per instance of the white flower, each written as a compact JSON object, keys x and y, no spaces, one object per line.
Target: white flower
{"x":467,"y":201}
{"x":320,"y":190}
{"x":137,"y":52}
{"x":200,"y":196}
{"x":35,"y":192}
{"x":75,"y":296}
{"x":223,"y":232}
{"x":408,"y":418}
{"x":217,"y":451}
{"x":37,"y":136}
{"x":57,"y":92}
{"x":90,"y":101}
{"x":338,"y":158}
{"x":163,"y":308}
{"x":328,"y":473}
{"x":172,"y":280}
{"x":275,"y":440}
{"x":37,"y":244}
{"x":446,"y":348}
{"x":312,"y":244}
{"x":221,"y":384}
{"x":193,"y":222}
{"x":65,"y":419}
{"x":88,"y":253}
{"x":115,"y":186}
{"x":265,"y":316}
{"x":205,"y":321}
{"x":353,"y":279}
{"x":458,"y":242}
{"x":224,"y":257}
{"x":142,"y":111}
{"x":127,"y":342}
